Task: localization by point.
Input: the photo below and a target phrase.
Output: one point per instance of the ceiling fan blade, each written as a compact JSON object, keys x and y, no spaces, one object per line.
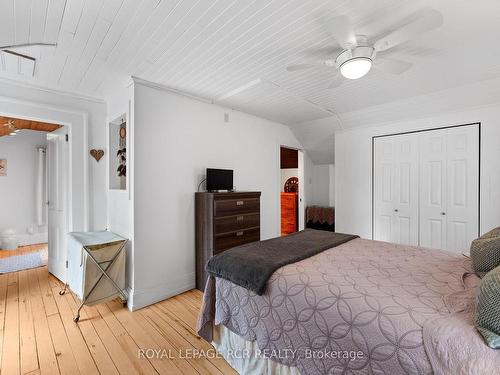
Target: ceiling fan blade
{"x":29,"y":45}
{"x":391,"y":65}
{"x":341,"y":30}
{"x":321,"y":53}
{"x":294,"y":68}
{"x":427,"y":19}
{"x":336,"y":81}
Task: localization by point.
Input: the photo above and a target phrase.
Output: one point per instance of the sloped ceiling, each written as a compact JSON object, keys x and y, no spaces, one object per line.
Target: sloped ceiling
{"x":215,"y":48}
{"x":317,"y":138}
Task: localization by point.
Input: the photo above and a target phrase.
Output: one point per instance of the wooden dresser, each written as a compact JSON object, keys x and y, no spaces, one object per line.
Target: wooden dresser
{"x":223,"y":221}
{"x":289,"y":213}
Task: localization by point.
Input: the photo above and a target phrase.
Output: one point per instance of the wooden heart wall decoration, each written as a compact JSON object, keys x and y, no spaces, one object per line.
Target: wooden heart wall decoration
{"x":97,"y":154}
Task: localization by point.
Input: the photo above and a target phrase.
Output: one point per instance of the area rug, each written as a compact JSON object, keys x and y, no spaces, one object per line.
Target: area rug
{"x":23,"y":261}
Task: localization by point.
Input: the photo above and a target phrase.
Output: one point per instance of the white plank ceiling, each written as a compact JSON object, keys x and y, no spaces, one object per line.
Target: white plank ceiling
{"x":212,"y":48}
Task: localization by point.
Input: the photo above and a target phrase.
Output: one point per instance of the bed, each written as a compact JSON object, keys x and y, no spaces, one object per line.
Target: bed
{"x":363,"y":307}
{"x":321,"y":218}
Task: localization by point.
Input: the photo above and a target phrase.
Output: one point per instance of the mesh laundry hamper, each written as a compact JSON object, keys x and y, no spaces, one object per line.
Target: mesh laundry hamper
{"x":96,"y":267}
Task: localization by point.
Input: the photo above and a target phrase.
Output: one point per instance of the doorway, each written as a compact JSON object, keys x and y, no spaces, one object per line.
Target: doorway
{"x":33,"y":188}
{"x":291,"y":190}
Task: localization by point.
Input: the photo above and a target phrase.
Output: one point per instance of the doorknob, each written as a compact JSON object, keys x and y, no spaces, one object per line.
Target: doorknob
{"x":443,"y":213}
{"x":396,"y":210}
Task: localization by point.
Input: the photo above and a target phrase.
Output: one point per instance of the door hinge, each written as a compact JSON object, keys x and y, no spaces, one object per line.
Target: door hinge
{"x":66,"y":264}
{"x":67,"y":138}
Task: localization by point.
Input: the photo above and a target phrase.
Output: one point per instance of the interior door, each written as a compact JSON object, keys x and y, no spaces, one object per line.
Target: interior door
{"x":384,"y":196}
{"x":449,"y":188}
{"x":57,"y":177}
{"x":463,"y":187}
{"x":396,"y":193}
{"x":433,"y":189}
{"x":406,"y":167}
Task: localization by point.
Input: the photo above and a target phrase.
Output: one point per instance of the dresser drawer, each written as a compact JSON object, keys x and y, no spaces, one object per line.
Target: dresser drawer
{"x":288,"y":211}
{"x":236,"y":206}
{"x":227,"y":240}
{"x":234,"y":223}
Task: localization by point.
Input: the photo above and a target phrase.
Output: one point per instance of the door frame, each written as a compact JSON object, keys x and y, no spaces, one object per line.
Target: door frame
{"x":301,"y":198}
{"x":76,"y":123}
{"x":478,"y":123}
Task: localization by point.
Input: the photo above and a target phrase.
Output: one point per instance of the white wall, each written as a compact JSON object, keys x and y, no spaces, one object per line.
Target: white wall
{"x":331,"y":192}
{"x":323,"y":185}
{"x":308,"y":178}
{"x":286,"y":173}
{"x":353,"y":164}
{"x":120,"y":202}
{"x":175,"y":139}
{"x":18,"y":188}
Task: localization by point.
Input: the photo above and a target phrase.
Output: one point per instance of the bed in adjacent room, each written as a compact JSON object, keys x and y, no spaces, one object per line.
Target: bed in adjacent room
{"x":361,"y":307}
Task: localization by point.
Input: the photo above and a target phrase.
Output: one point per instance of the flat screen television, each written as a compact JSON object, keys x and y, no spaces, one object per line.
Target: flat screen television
{"x":219,"y":179}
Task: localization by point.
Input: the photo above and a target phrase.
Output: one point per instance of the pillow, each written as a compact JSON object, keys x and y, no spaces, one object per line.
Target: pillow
{"x":487,"y":319}
{"x":485,"y":252}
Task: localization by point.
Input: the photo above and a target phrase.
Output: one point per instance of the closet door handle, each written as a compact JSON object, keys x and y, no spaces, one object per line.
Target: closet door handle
{"x":239,"y":203}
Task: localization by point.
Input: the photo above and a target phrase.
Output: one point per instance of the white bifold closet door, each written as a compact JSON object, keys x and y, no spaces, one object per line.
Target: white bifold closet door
{"x":426,"y":188}
{"x":396,"y":189}
{"x":449,"y":188}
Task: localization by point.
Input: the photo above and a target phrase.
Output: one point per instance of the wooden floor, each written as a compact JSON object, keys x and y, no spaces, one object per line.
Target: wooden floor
{"x":23,"y":250}
{"x":38,"y":335}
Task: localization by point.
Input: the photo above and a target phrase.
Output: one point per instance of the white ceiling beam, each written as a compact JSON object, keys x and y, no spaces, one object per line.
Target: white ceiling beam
{"x":238,"y":90}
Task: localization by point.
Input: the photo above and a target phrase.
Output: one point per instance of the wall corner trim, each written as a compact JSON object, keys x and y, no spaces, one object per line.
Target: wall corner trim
{"x":159,"y":86}
{"x":52,"y":91}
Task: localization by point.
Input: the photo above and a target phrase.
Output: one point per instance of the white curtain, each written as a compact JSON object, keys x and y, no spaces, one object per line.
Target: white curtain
{"x":41,"y":191}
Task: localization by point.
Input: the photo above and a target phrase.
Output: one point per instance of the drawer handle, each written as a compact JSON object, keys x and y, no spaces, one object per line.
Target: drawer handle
{"x":239,"y":203}
{"x":239,"y":234}
{"x":239,"y":218}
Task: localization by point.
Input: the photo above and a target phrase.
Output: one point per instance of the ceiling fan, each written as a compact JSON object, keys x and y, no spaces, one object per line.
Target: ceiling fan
{"x":358,"y":54}
{"x":13,"y":130}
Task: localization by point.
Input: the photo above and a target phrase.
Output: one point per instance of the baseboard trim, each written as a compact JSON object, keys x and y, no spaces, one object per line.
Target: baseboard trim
{"x":149,"y":296}
{"x":32,"y":239}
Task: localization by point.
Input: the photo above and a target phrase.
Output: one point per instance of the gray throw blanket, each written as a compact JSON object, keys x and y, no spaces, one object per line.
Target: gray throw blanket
{"x":252,"y":264}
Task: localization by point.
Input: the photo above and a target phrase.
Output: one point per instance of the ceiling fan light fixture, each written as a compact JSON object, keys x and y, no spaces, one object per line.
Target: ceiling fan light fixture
{"x":356,"y":67}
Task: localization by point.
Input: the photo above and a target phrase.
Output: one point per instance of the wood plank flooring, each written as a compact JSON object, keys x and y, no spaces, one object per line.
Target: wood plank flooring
{"x":38,"y":335}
